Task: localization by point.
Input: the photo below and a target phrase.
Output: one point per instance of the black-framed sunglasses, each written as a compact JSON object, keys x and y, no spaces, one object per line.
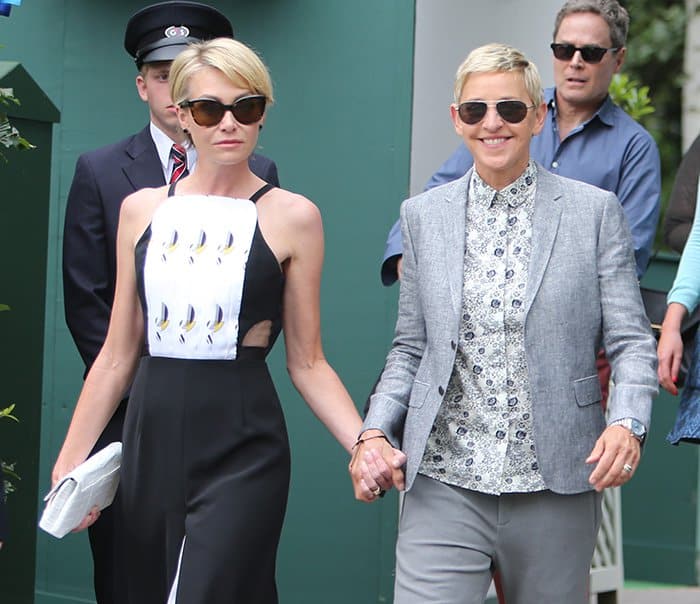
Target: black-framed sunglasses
{"x":513,"y":112}
{"x":208,"y":112}
{"x":590,"y":54}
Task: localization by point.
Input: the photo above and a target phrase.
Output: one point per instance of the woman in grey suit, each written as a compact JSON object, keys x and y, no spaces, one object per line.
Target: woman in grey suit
{"x":513,"y":278}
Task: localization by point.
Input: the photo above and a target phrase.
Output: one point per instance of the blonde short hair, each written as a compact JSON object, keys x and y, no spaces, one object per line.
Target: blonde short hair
{"x":499,"y":58}
{"x":234,"y":59}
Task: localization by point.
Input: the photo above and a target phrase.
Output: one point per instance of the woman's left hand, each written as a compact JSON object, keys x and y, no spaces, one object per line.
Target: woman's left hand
{"x":89,"y":520}
{"x":616,"y":455}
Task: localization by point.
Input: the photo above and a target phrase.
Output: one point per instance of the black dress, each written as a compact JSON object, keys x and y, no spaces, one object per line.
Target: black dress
{"x":205,"y":470}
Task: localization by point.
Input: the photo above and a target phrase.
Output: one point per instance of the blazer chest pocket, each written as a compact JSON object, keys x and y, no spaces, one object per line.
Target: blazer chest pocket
{"x":419,"y":393}
{"x":587,"y":391}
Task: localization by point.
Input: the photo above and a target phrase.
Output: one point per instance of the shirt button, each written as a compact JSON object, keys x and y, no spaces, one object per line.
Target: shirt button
{"x":441,"y":390}
{"x":454,"y":346}
{"x":555,"y":164}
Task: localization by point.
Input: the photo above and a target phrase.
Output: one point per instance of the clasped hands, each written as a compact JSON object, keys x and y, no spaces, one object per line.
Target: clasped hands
{"x":376,"y":466}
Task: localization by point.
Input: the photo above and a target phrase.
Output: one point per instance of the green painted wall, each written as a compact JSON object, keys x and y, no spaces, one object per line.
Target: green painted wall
{"x":340,"y":133}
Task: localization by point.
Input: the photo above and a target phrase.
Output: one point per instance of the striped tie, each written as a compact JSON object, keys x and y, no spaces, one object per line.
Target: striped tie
{"x":179,"y":156}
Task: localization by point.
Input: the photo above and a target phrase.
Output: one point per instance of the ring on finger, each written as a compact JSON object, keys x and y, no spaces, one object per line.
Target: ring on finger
{"x":627,"y":468}
{"x":376,"y":491}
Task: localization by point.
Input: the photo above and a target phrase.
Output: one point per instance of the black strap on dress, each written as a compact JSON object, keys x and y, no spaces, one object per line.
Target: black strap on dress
{"x":254,"y":197}
{"x":261,"y":191}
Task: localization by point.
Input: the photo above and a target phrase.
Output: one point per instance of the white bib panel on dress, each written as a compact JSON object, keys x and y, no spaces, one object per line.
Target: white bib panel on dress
{"x":194,"y":274}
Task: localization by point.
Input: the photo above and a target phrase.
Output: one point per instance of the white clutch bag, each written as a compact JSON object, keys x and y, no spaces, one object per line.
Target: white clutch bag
{"x":93,"y":483}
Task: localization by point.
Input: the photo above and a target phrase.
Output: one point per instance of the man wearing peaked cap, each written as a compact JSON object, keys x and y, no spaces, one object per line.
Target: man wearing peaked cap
{"x":103,"y":178}
{"x":160,"y":31}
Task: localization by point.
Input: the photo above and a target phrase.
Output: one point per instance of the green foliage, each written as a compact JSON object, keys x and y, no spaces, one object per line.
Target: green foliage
{"x":655,"y":49}
{"x":7,"y":470}
{"x":7,"y":412}
{"x":9,"y":136}
{"x":631,"y":96}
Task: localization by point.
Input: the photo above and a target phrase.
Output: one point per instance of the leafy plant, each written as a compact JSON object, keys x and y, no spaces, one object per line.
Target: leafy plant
{"x":9,"y":135}
{"x":7,"y":470}
{"x":655,"y":55}
{"x":631,"y":96}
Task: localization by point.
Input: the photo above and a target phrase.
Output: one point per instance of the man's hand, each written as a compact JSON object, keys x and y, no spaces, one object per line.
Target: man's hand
{"x":616,"y":455}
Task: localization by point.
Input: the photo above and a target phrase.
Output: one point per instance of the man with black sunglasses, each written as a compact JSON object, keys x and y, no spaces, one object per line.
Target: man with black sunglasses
{"x":157,"y":154}
{"x":586,"y":136}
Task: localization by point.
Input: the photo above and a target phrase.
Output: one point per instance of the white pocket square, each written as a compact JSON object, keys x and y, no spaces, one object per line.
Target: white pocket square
{"x":93,"y":483}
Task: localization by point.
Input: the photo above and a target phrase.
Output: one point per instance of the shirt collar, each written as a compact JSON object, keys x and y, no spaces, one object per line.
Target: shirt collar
{"x":605,"y":112}
{"x":522,"y":189}
{"x":163,"y":145}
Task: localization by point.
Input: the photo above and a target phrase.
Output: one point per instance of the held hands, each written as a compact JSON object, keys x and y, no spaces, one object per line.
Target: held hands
{"x":375,"y":466}
{"x":616,"y":455}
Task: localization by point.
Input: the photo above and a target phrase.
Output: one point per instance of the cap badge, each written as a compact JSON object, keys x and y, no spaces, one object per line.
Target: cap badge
{"x":177,"y":31}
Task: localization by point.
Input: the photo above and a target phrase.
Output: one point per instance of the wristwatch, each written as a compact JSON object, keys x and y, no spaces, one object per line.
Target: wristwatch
{"x":636,"y":428}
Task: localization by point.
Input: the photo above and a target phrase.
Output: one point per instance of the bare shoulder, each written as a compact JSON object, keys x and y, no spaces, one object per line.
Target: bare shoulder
{"x":296,"y":210}
{"x":137,"y":209}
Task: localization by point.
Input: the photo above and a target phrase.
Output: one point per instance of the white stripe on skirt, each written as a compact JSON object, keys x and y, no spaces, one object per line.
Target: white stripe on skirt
{"x":172,"y":598}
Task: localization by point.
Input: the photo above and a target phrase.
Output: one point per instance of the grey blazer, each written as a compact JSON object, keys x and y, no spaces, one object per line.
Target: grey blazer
{"x":582,"y":292}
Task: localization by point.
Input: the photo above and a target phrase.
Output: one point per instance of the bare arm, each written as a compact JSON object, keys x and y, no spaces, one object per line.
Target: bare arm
{"x":670,"y":348}
{"x":308,"y":368}
{"x":114,"y":367}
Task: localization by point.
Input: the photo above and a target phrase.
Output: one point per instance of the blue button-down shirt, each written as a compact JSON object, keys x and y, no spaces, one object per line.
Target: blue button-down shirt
{"x":610,"y":151}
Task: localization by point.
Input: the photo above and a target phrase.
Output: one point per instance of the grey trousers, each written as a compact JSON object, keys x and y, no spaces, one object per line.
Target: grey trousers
{"x":451,"y":540}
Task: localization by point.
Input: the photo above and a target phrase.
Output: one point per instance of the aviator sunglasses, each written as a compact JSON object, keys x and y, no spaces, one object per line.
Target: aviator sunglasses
{"x":208,"y":112}
{"x":590,"y":54}
{"x":513,"y":112}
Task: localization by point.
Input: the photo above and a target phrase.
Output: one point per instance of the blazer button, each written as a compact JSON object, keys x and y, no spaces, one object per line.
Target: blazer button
{"x":441,"y":390}
{"x":454,"y":346}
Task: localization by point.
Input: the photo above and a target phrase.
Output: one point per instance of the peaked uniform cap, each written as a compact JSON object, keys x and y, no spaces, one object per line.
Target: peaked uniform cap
{"x":161,"y":31}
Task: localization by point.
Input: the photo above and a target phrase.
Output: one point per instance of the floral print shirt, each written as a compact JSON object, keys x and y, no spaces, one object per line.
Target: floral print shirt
{"x":482,"y":436}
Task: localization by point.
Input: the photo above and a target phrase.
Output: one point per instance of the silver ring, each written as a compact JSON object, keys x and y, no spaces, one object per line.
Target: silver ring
{"x":627,"y":468}
{"x":376,"y":491}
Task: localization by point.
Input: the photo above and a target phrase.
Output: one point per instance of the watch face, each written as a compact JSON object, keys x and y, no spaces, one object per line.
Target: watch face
{"x":637,"y":428}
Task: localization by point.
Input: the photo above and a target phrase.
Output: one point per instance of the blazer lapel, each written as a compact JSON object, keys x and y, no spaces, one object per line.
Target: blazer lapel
{"x":143,"y":168}
{"x":545,"y":224}
{"x":453,"y":209}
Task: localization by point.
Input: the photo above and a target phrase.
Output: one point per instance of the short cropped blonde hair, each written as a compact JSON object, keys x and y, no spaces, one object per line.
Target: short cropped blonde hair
{"x":499,"y":58}
{"x":234,"y":59}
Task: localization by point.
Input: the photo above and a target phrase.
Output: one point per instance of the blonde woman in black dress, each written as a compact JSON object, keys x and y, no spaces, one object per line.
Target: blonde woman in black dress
{"x":209,"y":270}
